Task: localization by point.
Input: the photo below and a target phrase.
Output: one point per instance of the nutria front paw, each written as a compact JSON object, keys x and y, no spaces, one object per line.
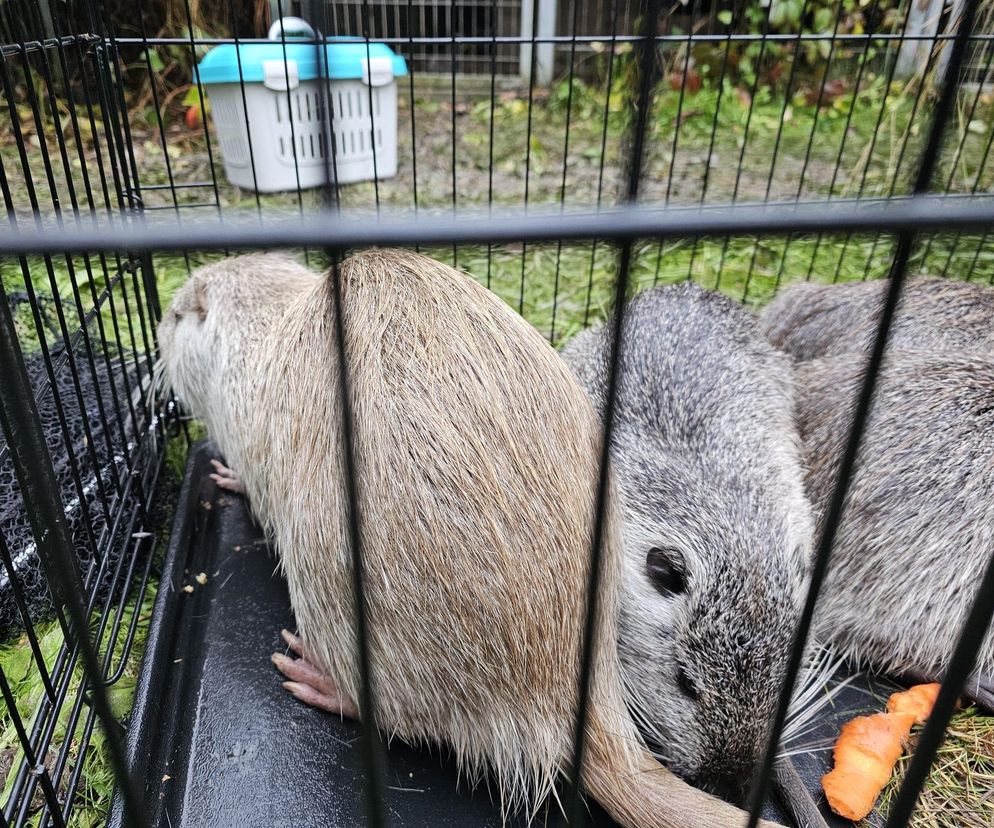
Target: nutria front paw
{"x":309,"y":684}
{"x":226,"y":479}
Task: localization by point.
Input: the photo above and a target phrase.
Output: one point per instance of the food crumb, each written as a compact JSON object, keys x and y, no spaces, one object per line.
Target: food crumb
{"x":202,"y":578}
{"x":188,"y":588}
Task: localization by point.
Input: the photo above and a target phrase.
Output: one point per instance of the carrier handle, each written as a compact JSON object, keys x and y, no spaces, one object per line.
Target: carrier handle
{"x":287,"y":27}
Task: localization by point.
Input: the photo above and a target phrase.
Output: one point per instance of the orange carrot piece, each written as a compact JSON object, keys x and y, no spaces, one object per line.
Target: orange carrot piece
{"x":868,"y":748}
{"x":919,"y":701}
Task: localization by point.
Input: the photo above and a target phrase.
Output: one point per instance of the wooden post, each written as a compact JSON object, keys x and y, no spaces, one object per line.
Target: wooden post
{"x":924,"y":17}
{"x":545,"y":53}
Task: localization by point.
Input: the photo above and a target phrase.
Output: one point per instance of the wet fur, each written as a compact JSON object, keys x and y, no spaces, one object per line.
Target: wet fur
{"x":708,"y":465}
{"x":476,"y":454}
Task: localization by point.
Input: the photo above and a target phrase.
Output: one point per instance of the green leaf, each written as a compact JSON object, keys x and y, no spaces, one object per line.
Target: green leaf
{"x":154,"y":61}
{"x":192,"y":96}
{"x":823,"y":20}
{"x":725,"y":16}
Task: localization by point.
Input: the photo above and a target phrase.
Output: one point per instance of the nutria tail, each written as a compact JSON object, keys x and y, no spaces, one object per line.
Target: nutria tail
{"x":638,"y":792}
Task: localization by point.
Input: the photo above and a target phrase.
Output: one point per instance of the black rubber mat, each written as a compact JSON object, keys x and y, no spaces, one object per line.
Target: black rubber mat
{"x":216,"y":740}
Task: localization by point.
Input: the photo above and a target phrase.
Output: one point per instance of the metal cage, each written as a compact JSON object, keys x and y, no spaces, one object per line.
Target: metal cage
{"x":105,"y":186}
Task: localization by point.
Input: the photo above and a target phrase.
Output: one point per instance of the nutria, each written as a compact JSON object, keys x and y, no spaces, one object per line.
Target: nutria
{"x":811,"y":320}
{"x":476,"y":455}
{"x":717,"y":529}
{"x":918,"y":527}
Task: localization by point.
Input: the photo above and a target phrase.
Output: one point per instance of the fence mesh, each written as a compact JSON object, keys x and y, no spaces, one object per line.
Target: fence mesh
{"x":623,"y":129}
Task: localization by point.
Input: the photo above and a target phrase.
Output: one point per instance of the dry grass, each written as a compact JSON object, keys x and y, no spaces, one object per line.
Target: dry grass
{"x":959,"y":792}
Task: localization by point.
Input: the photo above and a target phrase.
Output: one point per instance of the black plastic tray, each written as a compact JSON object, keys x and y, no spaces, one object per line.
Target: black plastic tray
{"x":216,"y":741}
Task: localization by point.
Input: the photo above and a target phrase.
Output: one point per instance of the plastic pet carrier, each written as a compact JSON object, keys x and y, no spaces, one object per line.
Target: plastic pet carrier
{"x":269,"y":105}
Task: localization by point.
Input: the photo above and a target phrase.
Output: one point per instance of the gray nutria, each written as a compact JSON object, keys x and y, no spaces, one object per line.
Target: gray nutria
{"x":918,"y":528}
{"x":809,"y":320}
{"x":717,"y":530}
{"x":476,"y":455}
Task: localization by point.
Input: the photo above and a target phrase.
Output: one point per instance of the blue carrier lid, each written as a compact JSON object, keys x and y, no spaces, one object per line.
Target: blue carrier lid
{"x":344,"y":58}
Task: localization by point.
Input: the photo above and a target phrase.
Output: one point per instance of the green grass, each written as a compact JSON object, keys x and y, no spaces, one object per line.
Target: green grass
{"x":957,"y":791}
{"x":574,"y":284}
{"x":16,"y":662}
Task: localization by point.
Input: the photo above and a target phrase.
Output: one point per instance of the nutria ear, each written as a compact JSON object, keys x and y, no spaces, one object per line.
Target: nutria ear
{"x":200,"y":297}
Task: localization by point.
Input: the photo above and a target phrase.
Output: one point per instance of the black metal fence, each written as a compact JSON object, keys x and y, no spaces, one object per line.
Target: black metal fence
{"x":633,"y":173}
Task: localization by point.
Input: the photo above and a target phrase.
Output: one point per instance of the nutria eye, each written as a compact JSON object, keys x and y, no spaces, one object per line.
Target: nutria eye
{"x":665,"y":577}
{"x":685,"y":684}
{"x":177,"y":316}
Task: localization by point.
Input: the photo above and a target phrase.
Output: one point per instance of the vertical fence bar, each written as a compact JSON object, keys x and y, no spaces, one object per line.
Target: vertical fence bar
{"x":453,"y":65}
{"x":833,"y":515}
{"x":565,"y":171}
{"x":528,"y":151}
{"x":648,"y":66}
{"x":371,"y":746}
{"x":962,"y":662}
{"x":606,"y":118}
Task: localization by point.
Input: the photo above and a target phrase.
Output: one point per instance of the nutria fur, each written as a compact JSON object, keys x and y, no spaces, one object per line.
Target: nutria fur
{"x":476,"y":473}
{"x":918,"y":528}
{"x":811,"y":320}
{"x":718,"y":531}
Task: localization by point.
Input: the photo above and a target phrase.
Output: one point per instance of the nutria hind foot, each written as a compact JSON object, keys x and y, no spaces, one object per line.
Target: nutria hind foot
{"x":226,"y":479}
{"x":309,"y":684}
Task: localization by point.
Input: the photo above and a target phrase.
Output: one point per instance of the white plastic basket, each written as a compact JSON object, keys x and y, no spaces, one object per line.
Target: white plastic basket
{"x":275,"y":136}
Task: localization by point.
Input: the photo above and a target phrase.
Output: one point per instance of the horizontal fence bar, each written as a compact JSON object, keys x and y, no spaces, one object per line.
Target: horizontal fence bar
{"x":19,"y":48}
{"x":188,"y":185}
{"x":245,"y":231}
{"x":567,"y":40}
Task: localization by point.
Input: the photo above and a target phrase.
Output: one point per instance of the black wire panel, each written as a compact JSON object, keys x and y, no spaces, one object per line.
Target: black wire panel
{"x":80,"y":455}
{"x":704,"y":148}
{"x":373,"y":762}
{"x":573,"y":804}
{"x":641,"y":111}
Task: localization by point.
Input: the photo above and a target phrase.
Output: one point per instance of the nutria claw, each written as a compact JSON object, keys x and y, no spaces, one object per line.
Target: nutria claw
{"x":309,"y":684}
{"x":227,"y":479}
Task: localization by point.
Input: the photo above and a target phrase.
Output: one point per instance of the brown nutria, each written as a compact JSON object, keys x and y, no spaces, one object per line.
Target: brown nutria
{"x":717,"y":528}
{"x":918,"y":527}
{"x":810,"y":320}
{"x":476,"y":467}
